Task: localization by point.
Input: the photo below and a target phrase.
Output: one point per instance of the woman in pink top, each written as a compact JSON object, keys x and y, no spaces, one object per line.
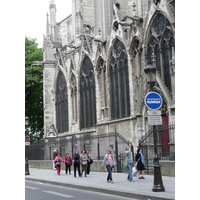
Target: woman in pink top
{"x":57,"y":162}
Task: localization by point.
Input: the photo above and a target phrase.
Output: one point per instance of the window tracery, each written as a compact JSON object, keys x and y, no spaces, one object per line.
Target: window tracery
{"x":161,"y":41}
{"x":119,"y":82}
{"x":87,"y":95}
{"x":62,"y":121}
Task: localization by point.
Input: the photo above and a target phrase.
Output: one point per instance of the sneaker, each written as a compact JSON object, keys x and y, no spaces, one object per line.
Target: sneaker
{"x":142,"y":177}
{"x":132,"y":181}
{"x":139,"y":177}
{"x":108,"y":181}
{"x":111,"y":181}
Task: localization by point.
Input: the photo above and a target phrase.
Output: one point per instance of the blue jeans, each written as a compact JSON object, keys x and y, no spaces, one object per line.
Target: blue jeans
{"x":109,"y":172}
{"x":130,"y":177}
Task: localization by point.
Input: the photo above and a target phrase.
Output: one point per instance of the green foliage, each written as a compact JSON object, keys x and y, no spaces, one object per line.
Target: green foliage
{"x":32,"y":52}
{"x":33,"y":87}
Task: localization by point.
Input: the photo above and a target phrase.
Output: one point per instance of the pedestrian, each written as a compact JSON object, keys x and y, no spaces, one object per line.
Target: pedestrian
{"x":68,"y":163}
{"x":129,"y":160}
{"x":140,"y":165}
{"x":90,"y":160}
{"x":58,"y":160}
{"x":77,"y":163}
{"x":84,"y":160}
{"x":110,"y":163}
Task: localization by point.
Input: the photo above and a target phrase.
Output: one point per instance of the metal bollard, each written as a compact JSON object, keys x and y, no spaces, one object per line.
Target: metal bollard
{"x":26,"y":167}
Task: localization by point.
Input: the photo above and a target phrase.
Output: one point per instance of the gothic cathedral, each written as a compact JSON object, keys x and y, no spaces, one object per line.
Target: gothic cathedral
{"x":93,"y":68}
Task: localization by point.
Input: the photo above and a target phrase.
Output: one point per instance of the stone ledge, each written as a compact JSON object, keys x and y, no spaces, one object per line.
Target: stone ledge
{"x":167,"y":167}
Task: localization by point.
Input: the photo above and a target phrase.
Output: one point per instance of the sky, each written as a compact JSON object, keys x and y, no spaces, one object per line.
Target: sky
{"x":35,"y":16}
{"x":28,"y":18}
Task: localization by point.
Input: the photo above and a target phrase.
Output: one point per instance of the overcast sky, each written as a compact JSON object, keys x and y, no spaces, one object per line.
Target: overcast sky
{"x":35,"y":16}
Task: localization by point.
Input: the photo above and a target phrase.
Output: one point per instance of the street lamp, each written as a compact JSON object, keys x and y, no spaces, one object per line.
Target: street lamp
{"x":150,"y":72}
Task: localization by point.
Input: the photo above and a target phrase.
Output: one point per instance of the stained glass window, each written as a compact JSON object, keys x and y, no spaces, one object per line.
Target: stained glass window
{"x":171,"y":44}
{"x":87,"y":95}
{"x":159,"y":24}
{"x":166,"y":65}
{"x":161,"y":43}
{"x":119,"y":82}
{"x":157,"y":54}
{"x":62,"y":121}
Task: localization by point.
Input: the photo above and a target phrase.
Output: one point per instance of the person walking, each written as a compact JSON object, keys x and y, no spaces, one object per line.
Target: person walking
{"x":89,"y":162}
{"x":84,"y":160}
{"x":110,"y":163}
{"x":68,"y":163}
{"x":77,"y":163}
{"x":129,"y":159}
{"x":140,"y":166}
{"x":58,"y":160}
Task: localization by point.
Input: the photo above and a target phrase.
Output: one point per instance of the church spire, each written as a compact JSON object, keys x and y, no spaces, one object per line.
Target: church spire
{"x":52,"y":10}
{"x":47,"y":27}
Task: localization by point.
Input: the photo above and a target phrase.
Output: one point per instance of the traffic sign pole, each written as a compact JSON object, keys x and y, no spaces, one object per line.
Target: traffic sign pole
{"x":154,"y":102}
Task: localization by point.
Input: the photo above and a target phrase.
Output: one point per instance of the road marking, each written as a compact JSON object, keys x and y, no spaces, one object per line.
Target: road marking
{"x":58,"y":194}
{"x":32,"y":188}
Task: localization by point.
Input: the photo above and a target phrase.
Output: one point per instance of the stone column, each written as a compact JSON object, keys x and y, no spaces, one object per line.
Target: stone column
{"x":131,"y":83}
{"x":172,"y":72}
{"x":48,"y":95}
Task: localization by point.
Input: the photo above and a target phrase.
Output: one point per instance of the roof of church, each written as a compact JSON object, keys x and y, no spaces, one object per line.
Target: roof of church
{"x":58,"y":23}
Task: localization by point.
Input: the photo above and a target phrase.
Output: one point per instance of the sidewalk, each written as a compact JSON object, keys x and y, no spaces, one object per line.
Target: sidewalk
{"x":96,"y":181}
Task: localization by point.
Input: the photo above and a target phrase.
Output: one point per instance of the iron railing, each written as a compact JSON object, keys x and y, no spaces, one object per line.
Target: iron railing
{"x":96,"y":144}
{"x":165,"y":145}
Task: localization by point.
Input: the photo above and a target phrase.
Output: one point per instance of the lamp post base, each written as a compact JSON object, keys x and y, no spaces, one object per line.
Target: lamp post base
{"x":158,"y":184}
{"x":26,"y":167}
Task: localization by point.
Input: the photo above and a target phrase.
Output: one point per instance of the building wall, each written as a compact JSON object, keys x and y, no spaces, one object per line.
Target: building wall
{"x":97,"y":45}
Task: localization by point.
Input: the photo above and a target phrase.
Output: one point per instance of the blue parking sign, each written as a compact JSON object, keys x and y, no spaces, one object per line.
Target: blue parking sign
{"x":153,"y":100}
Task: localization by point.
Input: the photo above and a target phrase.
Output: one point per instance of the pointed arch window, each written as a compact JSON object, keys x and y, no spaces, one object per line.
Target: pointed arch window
{"x":153,"y":46}
{"x":119,"y":82}
{"x":161,"y":41}
{"x":74,"y":97}
{"x":62,"y":121}
{"x":87,"y":95}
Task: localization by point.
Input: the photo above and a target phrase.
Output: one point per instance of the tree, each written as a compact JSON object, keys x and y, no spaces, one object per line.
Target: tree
{"x":33,"y":88}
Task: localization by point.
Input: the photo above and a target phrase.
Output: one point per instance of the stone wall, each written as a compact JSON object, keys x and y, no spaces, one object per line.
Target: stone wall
{"x":167,"y":167}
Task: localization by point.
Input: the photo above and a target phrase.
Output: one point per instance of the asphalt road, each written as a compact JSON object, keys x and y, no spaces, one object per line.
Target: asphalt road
{"x":41,"y":191}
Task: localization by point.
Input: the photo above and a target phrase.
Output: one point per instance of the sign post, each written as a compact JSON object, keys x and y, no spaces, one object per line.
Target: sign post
{"x":154,"y":102}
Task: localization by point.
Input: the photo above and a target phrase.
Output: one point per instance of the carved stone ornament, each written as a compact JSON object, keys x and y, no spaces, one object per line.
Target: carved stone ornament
{"x":135,"y":29}
{"x":115,"y":26}
{"x":156,"y":2}
{"x":52,"y":132}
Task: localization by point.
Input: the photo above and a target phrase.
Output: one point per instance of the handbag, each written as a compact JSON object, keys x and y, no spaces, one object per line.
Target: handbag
{"x":134,"y":171}
{"x":126,"y":162}
{"x":57,"y":163}
{"x":91,"y":161}
{"x":136,"y":163}
{"x":84,"y":163}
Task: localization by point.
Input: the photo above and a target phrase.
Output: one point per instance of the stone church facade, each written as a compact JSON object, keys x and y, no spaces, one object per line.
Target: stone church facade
{"x":93,"y":68}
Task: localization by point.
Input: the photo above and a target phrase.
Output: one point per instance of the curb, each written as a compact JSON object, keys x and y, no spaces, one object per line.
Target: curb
{"x":101,"y":190}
